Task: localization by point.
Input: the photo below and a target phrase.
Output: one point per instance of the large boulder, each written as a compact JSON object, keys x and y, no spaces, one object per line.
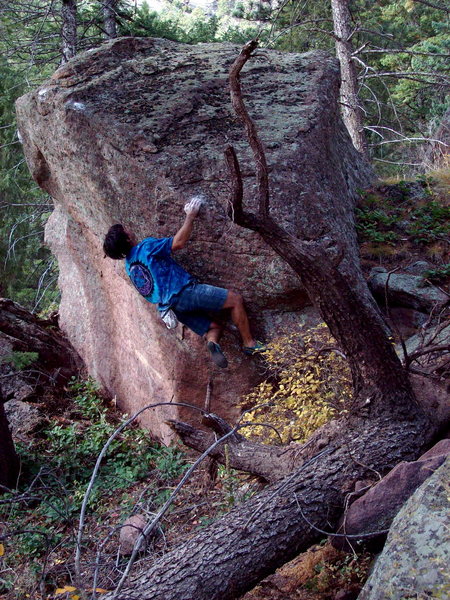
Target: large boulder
{"x":403,"y":289}
{"x":414,"y":562}
{"x":127,"y":133}
{"x":375,"y":510}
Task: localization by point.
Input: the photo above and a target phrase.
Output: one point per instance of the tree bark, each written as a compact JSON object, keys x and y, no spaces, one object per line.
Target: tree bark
{"x":351,"y":110}
{"x":328,"y":266}
{"x":229,"y":557}
{"x":68,"y":30}
{"x":268,"y":462}
{"x":9,"y":461}
{"x":109,"y":18}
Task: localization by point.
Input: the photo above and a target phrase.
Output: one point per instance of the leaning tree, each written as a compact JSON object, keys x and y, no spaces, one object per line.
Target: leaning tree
{"x":309,"y":483}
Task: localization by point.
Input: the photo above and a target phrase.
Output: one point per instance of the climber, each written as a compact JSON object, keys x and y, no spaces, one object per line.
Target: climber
{"x":179,"y":295}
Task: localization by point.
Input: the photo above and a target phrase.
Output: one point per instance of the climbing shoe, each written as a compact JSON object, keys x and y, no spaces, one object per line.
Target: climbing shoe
{"x":217,"y":355}
{"x":258,"y":348}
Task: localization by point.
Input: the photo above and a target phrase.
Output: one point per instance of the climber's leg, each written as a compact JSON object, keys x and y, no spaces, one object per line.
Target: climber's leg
{"x":235,"y":302}
{"x":212,"y":343}
{"x":214,"y":333}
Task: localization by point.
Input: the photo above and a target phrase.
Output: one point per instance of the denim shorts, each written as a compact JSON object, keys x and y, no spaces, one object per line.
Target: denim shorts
{"x":195,"y":301}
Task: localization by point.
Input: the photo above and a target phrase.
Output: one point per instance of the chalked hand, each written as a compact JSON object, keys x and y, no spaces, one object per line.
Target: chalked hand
{"x":193,"y":206}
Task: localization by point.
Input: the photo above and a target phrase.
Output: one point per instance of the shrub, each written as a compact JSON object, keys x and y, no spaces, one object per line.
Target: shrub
{"x":308,"y":384}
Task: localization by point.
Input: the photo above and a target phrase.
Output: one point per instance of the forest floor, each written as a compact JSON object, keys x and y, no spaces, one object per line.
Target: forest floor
{"x":398,"y":224}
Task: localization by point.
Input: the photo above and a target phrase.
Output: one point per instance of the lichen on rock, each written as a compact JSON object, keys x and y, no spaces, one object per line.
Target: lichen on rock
{"x":415,"y":559}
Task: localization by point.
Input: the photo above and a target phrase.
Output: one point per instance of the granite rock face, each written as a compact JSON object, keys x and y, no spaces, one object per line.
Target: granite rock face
{"x":375,"y":510}
{"x":127,"y":133}
{"x":415,"y":559}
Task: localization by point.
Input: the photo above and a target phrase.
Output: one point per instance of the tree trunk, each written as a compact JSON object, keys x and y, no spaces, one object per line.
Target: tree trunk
{"x":68,"y":30}
{"x":109,"y":18}
{"x":9,"y":462}
{"x":229,"y":557}
{"x":327,"y":263}
{"x":351,"y":110}
{"x":354,"y":319}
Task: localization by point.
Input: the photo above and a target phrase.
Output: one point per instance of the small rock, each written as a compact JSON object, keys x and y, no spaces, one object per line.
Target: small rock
{"x":131,"y":530}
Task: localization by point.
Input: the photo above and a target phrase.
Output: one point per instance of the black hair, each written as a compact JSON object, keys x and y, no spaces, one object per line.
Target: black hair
{"x":117,"y":244}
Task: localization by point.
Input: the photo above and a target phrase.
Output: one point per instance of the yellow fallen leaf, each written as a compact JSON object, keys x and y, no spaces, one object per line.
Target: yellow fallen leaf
{"x":2,"y":549}
{"x":65,"y":589}
{"x":75,"y":597}
{"x":101,"y":591}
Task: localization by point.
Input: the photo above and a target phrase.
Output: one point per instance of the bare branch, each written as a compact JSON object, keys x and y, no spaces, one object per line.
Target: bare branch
{"x":151,"y":526}
{"x":411,"y":139}
{"x":429,"y":350}
{"x":252,"y":134}
{"x":412,"y":75}
{"x":309,"y":29}
{"x":97,"y":468}
{"x":267,"y":462}
{"x":344,"y":535}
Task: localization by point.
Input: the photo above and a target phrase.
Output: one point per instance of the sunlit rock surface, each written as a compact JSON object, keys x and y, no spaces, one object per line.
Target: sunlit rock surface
{"x":127,"y":133}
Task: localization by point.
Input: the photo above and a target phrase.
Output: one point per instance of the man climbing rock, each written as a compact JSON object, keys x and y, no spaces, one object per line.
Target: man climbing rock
{"x":162,"y":281}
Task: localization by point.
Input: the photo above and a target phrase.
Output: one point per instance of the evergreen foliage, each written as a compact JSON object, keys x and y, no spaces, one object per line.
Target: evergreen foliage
{"x":27,"y":269}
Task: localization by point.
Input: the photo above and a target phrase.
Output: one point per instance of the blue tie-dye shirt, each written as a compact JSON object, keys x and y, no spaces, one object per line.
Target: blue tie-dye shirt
{"x":153,"y":271}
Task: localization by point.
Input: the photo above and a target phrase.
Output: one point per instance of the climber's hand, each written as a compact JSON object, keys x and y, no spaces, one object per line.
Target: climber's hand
{"x":192,"y":207}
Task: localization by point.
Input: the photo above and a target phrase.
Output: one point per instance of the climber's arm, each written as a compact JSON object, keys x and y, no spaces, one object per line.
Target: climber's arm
{"x":184,"y":233}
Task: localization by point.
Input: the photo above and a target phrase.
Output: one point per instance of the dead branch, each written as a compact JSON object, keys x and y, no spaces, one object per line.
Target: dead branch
{"x":400,"y":51}
{"x":252,"y":134}
{"x":344,"y":535}
{"x":413,"y":76}
{"x":268,"y":462}
{"x":429,"y":350}
{"x":97,"y":468}
{"x":151,"y":526}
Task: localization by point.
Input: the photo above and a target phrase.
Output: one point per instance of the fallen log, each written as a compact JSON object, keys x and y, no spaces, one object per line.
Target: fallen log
{"x":229,"y":557}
